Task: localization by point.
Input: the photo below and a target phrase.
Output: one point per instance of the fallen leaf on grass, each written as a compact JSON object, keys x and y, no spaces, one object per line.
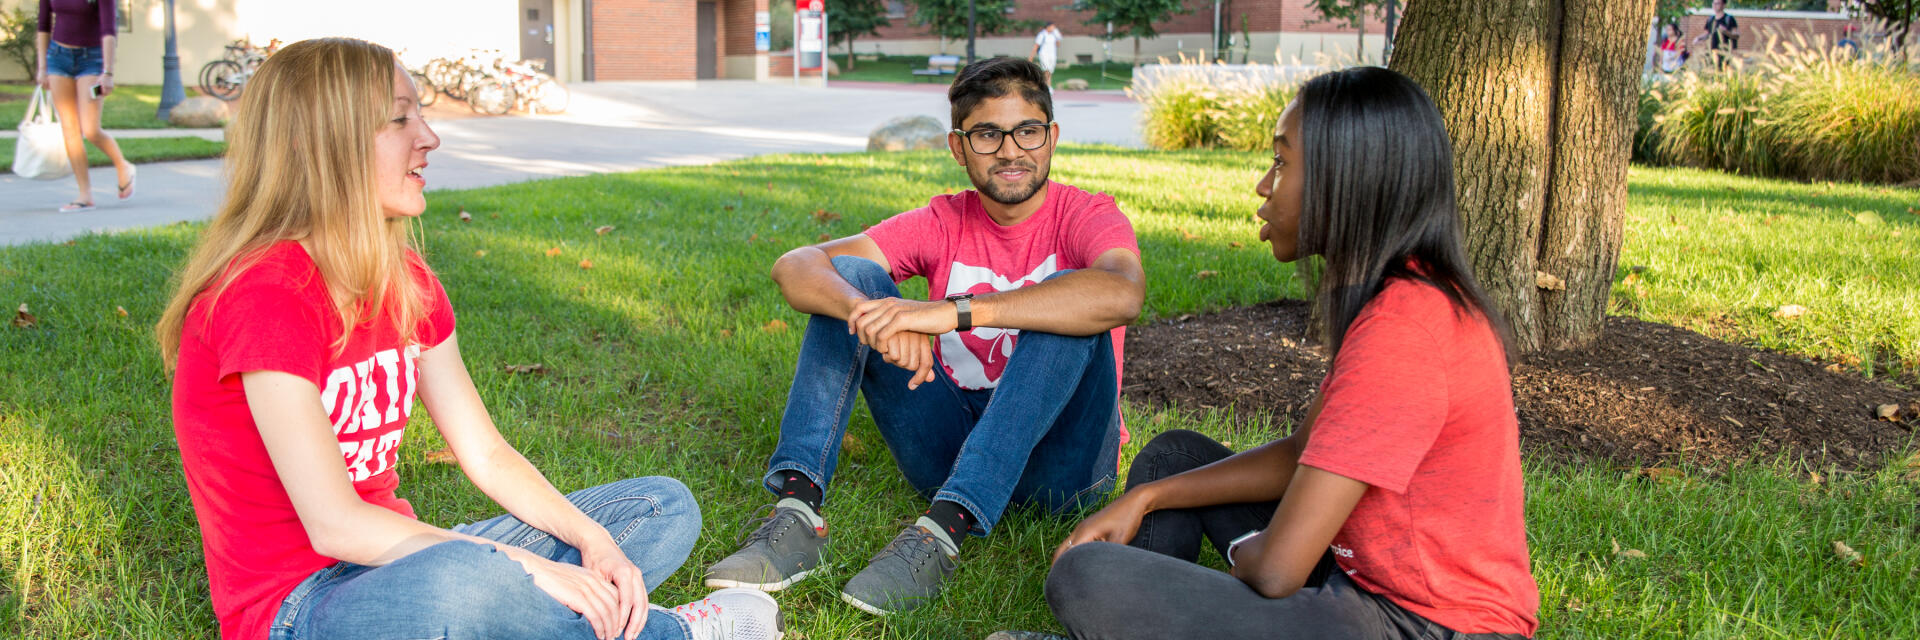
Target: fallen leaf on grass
{"x":553,"y":252}
{"x":480,"y":253}
{"x":23,"y":319}
{"x":775,"y":325}
{"x":1660,"y":474}
{"x":1626,"y":553}
{"x":443,"y":456}
{"x":1234,"y":245}
{"x":1205,"y":273}
{"x":495,"y":216}
{"x":586,"y":264}
{"x":120,"y":311}
{"x":1548,"y":281}
{"x":465,"y":217}
{"x":604,"y":230}
{"x":535,"y":368}
{"x":1913,"y":467}
{"x":1789,"y":311}
{"x":1888,"y":412}
{"x":1848,"y":555}
{"x":1836,"y":368}
{"x":825,"y":237}
{"x":753,"y":238}
{"x":1184,"y":234}
{"x":726,"y":333}
{"x":824,"y":216}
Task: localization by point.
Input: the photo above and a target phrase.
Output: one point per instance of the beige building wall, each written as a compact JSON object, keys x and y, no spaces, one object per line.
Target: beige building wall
{"x":423,"y":29}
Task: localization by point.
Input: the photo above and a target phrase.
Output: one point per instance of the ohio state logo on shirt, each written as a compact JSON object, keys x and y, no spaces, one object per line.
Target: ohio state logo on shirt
{"x":369,"y":402}
{"x":976,"y":358}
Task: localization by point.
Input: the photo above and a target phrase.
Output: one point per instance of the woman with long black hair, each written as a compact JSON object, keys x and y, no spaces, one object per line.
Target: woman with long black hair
{"x":1396,"y":509}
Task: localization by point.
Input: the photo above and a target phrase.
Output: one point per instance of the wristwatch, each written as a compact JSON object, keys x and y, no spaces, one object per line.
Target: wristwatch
{"x":1235,"y":544}
{"x":963,"y":304}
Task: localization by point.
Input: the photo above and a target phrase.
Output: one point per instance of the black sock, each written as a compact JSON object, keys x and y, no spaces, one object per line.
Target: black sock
{"x":799,"y":487}
{"x":952,"y":517}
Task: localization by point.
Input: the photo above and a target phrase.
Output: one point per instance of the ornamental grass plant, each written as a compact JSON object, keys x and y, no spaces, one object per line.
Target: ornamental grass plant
{"x":1799,"y":110}
{"x":1197,"y":106}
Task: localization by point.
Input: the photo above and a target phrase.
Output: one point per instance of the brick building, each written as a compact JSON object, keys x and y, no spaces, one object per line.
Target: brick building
{"x":1283,"y":29}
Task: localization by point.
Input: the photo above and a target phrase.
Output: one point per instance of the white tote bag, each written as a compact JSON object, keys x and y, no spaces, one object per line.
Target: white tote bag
{"x":40,"y":152}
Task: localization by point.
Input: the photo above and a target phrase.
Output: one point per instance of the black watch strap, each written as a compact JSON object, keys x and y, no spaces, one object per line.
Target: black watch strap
{"x":963,"y":306}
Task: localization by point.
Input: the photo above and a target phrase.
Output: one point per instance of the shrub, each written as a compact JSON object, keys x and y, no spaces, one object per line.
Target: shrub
{"x":1191,"y":109}
{"x":1799,"y":111}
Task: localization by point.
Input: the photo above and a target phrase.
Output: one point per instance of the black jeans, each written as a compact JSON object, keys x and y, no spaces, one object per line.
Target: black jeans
{"x":1153,"y":589}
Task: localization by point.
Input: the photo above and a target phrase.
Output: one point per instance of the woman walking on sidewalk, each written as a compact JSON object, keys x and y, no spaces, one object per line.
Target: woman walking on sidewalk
{"x":75,"y":43}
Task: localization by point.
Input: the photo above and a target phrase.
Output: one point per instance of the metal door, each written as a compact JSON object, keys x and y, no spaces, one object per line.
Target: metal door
{"x":704,"y":36}
{"x":536,"y":32}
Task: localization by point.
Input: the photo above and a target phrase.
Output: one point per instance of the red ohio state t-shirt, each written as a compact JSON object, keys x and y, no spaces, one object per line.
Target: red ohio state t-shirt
{"x":1419,"y":406}
{"x":277,"y":316}
{"x":958,"y":248}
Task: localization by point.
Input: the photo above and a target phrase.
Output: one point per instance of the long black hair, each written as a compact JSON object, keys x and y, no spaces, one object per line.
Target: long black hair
{"x":1378,"y":200}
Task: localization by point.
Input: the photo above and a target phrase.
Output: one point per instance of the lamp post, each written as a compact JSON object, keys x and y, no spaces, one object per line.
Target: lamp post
{"x":171,"y":92}
{"x":972,"y":13}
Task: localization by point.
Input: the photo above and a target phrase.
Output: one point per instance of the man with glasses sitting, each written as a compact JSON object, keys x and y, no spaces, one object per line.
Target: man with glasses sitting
{"x":974,"y":422}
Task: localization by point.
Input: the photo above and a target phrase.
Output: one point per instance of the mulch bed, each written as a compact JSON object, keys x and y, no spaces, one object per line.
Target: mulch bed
{"x":1645,"y":393}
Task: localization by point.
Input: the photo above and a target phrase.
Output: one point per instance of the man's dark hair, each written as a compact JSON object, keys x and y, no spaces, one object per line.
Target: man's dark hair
{"x":1379,"y":197}
{"x":996,"y":77}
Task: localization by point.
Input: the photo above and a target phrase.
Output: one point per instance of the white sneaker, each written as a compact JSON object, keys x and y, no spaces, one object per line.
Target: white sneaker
{"x":731,"y":614}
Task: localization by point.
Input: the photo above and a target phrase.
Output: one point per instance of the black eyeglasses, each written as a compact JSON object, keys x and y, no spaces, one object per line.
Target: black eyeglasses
{"x":987,"y":140}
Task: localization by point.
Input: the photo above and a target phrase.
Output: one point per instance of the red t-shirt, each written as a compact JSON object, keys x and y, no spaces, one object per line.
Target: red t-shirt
{"x":277,"y":316}
{"x":958,"y":248}
{"x":1419,"y":406}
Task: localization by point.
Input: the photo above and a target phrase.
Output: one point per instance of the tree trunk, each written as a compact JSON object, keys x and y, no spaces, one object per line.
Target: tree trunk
{"x":1539,"y":97}
{"x":850,"y":51}
{"x":1136,"y":51}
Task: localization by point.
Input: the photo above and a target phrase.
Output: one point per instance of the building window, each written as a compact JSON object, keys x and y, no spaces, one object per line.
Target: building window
{"x":896,"y":9}
{"x":121,"y":11}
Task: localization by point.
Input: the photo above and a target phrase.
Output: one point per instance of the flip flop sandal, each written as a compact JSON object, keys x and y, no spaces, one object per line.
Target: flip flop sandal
{"x":76,"y":207}
{"x":126,"y":190}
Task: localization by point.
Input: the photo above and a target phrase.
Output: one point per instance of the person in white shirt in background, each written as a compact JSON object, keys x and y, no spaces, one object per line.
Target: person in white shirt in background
{"x":1046,"y":48}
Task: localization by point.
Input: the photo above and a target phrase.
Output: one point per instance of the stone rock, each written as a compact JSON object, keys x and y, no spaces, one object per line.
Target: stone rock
{"x":1074,"y":84}
{"x":201,"y":112}
{"x":908,"y":133}
{"x":833,"y":68}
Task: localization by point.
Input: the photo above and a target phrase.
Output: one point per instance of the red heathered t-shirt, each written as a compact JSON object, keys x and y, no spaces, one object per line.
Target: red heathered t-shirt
{"x":958,"y":248}
{"x":277,"y":316}
{"x":1419,"y":406}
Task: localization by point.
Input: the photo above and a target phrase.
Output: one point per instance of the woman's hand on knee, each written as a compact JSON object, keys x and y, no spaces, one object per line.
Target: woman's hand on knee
{"x":1116,"y":523}
{"x":610,"y":563}
{"x":578,"y":588}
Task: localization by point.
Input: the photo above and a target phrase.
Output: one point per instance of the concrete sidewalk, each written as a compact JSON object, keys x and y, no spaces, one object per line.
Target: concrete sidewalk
{"x":215,"y":135}
{"x":609,"y":127}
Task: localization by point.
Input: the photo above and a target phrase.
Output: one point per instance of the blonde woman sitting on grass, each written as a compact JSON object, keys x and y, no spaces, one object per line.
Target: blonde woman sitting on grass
{"x":304,"y":326}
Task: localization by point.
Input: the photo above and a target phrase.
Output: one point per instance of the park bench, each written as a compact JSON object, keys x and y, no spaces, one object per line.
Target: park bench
{"x":938,"y":66}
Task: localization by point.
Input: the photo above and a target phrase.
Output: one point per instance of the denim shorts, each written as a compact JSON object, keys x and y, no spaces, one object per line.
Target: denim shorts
{"x":73,"y":62}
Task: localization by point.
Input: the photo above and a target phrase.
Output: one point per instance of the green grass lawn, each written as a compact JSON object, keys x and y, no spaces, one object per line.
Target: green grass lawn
{"x":900,"y":69}
{"x":665,"y":360}
{"x":140,"y":150}
{"x":130,"y":106}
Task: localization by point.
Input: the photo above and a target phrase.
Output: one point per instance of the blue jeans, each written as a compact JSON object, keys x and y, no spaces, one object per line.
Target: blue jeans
{"x":468,"y":590}
{"x":73,"y":62}
{"x":1049,"y":434}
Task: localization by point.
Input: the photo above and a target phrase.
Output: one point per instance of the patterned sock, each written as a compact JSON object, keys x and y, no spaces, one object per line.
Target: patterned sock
{"x":797,"y":486}
{"x":953,"y":519}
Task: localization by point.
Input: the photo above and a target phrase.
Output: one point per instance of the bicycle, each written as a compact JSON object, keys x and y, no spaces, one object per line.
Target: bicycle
{"x":227,"y":77}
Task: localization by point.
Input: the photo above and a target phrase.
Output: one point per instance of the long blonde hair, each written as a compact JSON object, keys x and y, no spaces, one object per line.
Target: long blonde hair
{"x":300,"y":167}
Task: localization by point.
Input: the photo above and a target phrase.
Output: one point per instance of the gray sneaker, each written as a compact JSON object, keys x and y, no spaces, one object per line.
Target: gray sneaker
{"x":784,"y":548}
{"x":904,"y":575}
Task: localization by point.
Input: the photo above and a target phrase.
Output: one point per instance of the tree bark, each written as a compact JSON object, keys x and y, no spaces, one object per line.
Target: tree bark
{"x":1539,"y":97}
